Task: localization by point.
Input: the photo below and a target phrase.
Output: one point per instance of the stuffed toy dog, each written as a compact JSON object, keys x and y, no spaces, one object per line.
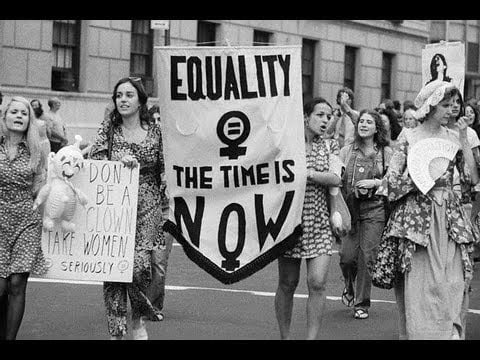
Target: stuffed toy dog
{"x":59,"y":195}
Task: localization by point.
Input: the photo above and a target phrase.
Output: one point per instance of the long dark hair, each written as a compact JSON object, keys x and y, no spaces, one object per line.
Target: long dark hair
{"x":433,"y":68}
{"x":145,"y":119}
{"x":395,"y":128}
{"x":380,"y":137}
{"x":476,"y":121}
{"x":450,"y":93}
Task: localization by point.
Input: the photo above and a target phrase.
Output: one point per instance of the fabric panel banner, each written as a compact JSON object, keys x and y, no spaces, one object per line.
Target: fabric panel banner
{"x":444,"y":61}
{"x":234,"y":148}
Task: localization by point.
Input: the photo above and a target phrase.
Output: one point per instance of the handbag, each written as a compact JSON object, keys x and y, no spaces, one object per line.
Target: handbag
{"x":384,"y":270}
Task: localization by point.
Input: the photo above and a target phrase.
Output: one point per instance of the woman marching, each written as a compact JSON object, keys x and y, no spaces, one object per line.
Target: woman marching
{"x":366,"y":161}
{"x":315,"y":245}
{"x":434,"y":233}
{"x":22,"y":173}
{"x":134,"y":139}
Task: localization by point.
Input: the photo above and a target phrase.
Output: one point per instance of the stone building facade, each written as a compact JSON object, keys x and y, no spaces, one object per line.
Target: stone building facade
{"x":80,"y":61}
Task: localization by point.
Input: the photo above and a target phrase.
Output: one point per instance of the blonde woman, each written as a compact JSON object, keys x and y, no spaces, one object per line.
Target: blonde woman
{"x":22,"y":172}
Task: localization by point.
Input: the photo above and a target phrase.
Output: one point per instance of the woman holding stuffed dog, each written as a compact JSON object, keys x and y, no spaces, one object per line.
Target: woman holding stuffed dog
{"x":130,"y":136}
{"x":22,"y":172}
{"x":366,"y":160}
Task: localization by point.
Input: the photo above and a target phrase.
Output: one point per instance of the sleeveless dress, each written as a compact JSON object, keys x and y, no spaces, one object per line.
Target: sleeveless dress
{"x":317,"y":237}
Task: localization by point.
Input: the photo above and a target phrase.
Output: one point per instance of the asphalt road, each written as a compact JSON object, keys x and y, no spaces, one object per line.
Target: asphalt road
{"x":199,"y":307}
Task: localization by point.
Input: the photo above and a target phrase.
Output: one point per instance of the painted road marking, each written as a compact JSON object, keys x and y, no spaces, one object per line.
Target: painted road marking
{"x":185,"y":288}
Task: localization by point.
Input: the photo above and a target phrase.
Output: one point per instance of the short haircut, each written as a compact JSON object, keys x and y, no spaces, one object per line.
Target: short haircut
{"x":345,"y":90}
{"x":52,"y":101}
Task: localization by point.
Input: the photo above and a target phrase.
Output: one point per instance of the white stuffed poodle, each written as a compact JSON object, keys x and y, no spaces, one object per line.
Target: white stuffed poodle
{"x":59,"y":195}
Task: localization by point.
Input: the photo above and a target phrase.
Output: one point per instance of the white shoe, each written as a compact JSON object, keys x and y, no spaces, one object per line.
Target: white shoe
{"x":139,"y":330}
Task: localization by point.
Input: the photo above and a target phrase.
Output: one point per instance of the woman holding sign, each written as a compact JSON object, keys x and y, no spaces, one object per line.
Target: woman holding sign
{"x":434,"y":234}
{"x":315,"y":245}
{"x":22,"y":172}
{"x":130,"y":136}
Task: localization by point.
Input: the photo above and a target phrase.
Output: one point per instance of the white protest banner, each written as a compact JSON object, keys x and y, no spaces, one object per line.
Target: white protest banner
{"x":444,"y":61}
{"x":101,"y":247}
{"x":428,"y":159}
{"x":234,"y":149}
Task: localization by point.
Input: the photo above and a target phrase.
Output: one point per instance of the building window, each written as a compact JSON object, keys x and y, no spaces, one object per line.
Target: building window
{"x":261,"y":38}
{"x":472,"y":57}
{"x":308,"y":62}
{"x":141,"y":49}
{"x":66,"y":55}
{"x":349,"y":67}
{"x":386,"y":75}
{"x":206,"y":33}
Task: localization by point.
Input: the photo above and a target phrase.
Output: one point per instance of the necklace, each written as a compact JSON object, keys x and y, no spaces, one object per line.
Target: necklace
{"x":135,"y":135}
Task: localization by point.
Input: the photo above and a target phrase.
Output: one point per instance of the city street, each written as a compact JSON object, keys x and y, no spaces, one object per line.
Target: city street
{"x":198,"y":307}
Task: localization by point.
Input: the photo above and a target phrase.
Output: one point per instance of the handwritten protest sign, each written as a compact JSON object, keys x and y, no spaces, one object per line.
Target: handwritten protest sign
{"x":234,"y":150}
{"x":444,"y":61}
{"x":428,"y":159}
{"x":101,"y":247}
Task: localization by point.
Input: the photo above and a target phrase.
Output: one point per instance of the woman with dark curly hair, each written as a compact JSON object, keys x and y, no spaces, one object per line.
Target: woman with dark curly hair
{"x":315,"y":244}
{"x":134,"y":139}
{"x":366,"y":160}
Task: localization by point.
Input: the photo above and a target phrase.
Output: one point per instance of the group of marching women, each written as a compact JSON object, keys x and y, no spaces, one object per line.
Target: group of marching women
{"x":432,"y":234}
{"x":419,"y":244}
{"x":129,"y":134}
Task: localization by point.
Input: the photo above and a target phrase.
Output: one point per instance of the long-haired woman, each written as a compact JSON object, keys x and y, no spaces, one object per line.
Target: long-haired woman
{"x":22,"y":173}
{"x":130,"y":136}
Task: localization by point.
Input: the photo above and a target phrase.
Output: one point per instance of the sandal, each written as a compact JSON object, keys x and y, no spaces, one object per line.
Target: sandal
{"x":347,"y":299}
{"x":360,"y":314}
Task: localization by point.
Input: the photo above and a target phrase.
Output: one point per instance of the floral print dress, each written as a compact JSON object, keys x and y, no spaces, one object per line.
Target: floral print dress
{"x":317,"y":237}
{"x":21,"y":227}
{"x":436,"y":241}
{"x":149,"y":233}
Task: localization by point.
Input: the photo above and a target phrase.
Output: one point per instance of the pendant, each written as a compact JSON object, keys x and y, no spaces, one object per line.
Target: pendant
{"x":361,"y":169}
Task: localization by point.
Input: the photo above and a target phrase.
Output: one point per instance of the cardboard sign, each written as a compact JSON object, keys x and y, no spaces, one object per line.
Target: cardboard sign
{"x":444,"y":61}
{"x":234,"y":149}
{"x":425,"y":162}
{"x":101,"y":247}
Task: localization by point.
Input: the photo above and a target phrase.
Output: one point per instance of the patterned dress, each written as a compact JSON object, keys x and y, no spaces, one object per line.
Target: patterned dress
{"x":149,"y":233}
{"x":21,"y":227}
{"x":317,"y":237}
{"x":436,"y":241}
